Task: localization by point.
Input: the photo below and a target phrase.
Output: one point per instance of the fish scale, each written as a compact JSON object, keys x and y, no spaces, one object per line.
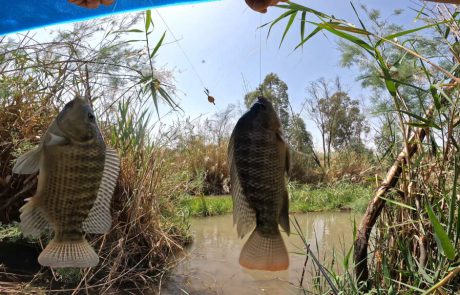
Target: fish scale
{"x":258,"y":159}
{"x":74,"y":178}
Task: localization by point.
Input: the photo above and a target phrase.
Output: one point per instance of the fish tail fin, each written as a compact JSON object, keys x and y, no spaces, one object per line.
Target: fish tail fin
{"x":68,"y":254}
{"x":33,"y":221}
{"x":264,"y":252}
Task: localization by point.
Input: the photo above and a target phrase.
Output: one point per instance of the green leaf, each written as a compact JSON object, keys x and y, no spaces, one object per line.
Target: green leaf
{"x":148,"y":20}
{"x":427,"y":122}
{"x":154,"y":95}
{"x":361,"y":43}
{"x":406,"y":32}
{"x":313,"y":33}
{"x":159,"y":43}
{"x":288,"y":26}
{"x":442,"y":239}
{"x":302,"y":25}
{"x":286,"y":14}
{"x":391,"y":86}
{"x":398,"y":204}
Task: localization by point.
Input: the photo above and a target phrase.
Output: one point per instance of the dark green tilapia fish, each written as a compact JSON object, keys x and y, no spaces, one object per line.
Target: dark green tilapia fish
{"x":77,"y":177}
{"x":259,"y":159}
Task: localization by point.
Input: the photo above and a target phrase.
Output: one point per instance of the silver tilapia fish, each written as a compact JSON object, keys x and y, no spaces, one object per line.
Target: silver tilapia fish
{"x":259,"y":159}
{"x":77,"y":177}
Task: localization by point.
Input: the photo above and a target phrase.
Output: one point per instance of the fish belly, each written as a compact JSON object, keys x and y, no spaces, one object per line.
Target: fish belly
{"x":261,"y":172}
{"x":74,"y":175}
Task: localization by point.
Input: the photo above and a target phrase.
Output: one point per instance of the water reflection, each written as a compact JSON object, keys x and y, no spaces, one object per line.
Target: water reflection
{"x":212,"y":264}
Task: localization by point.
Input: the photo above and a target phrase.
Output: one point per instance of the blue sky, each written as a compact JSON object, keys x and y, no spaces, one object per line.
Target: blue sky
{"x":222,"y":42}
{"x":222,"y":45}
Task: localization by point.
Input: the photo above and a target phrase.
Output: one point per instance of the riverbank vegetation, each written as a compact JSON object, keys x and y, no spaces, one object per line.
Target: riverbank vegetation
{"x":415,"y":213}
{"x":303,"y":198}
{"x":36,"y":79}
{"x":182,"y":171}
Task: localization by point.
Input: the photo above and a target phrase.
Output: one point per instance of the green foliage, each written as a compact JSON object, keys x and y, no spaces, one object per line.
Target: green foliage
{"x":275,"y":90}
{"x":303,"y":198}
{"x":411,"y":73}
{"x":337,"y":116}
{"x":207,"y":206}
{"x":342,"y":196}
{"x":298,"y":138}
{"x":10,"y":232}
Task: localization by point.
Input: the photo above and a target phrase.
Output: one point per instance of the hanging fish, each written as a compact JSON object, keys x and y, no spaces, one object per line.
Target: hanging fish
{"x":77,"y":177}
{"x":258,"y":159}
{"x":262,"y":5}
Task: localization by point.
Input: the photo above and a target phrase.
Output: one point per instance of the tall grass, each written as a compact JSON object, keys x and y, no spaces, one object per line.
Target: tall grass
{"x":149,"y":227}
{"x":416,"y":239}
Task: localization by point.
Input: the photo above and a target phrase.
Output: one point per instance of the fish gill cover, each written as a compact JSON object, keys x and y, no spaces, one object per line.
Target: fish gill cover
{"x":23,"y":15}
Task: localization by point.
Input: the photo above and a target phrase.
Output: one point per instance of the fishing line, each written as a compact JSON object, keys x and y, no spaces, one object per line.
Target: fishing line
{"x":260,"y":55}
{"x":206,"y":91}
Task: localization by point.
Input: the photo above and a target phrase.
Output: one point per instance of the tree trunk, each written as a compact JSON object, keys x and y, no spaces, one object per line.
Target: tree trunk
{"x":377,"y":204}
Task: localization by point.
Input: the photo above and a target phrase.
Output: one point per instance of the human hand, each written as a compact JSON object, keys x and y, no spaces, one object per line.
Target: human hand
{"x":262,"y":5}
{"x":91,"y":3}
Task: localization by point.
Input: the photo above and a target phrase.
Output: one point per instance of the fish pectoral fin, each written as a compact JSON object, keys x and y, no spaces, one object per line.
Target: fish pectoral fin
{"x":68,"y":254}
{"x":33,"y":221}
{"x":54,"y":139}
{"x":284,"y":214}
{"x":99,"y":219}
{"x":29,"y":162}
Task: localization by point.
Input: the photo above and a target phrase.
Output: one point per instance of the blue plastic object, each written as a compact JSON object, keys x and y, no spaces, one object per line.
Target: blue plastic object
{"x":20,"y":15}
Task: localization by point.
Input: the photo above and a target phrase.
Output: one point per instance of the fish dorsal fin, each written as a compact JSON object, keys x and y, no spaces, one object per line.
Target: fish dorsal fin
{"x":243,"y":215}
{"x":99,"y":219}
{"x":28,"y":163}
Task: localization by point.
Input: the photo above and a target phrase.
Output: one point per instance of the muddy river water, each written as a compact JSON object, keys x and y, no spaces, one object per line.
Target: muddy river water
{"x":211,"y":266}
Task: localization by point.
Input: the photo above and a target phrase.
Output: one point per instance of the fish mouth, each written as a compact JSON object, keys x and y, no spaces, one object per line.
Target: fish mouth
{"x":261,"y":101}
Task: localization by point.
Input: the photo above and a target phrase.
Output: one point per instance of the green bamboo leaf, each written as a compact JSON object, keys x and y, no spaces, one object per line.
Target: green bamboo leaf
{"x":453,"y":197}
{"x":357,"y":15}
{"x":127,"y":31}
{"x":298,"y":7}
{"x":436,"y":98}
{"x":419,"y":125}
{"x":148,"y":19}
{"x":154,"y":95}
{"x":302,"y":25}
{"x":427,"y":122}
{"x":406,"y":32}
{"x":288,"y":26}
{"x":286,"y":14}
{"x":391,"y":86}
{"x":349,"y":29}
{"x":441,"y":237}
{"x":159,"y":43}
{"x":398,"y":203}
{"x":132,"y":41}
{"x":361,"y":43}
{"x":313,"y":33}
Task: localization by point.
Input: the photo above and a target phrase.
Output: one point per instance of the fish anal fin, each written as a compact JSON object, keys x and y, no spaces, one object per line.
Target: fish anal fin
{"x":264,"y":252}
{"x":29,"y":162}
{"x":284,"y":213}
{"x":33,"y":221}
{"x":68,"y":254}
{"x":99,"y":219}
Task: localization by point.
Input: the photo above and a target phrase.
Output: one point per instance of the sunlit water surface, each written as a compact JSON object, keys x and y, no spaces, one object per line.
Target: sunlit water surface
{"x":211,"y":266}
